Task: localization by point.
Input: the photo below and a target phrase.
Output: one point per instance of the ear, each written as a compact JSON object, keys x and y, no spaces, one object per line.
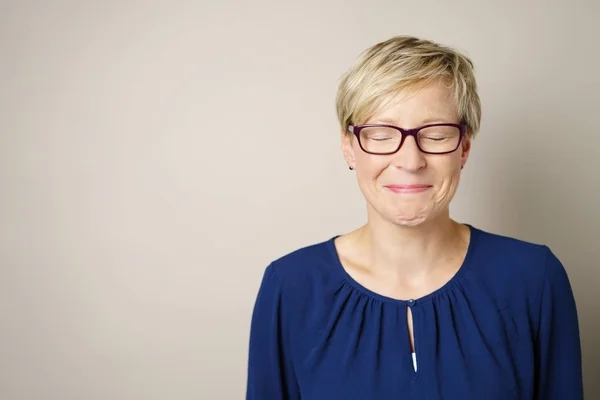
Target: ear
{"x":466,"y":149}
{"x":347,"y":148}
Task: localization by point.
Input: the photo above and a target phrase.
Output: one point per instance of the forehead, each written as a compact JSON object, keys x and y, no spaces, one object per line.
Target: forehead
{"x":432,"y":103}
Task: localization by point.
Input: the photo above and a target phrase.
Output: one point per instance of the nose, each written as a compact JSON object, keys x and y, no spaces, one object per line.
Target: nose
{"x":409,"y":157}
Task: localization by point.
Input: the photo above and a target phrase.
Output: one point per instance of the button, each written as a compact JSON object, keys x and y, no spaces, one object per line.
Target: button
{"x":411,"y":302}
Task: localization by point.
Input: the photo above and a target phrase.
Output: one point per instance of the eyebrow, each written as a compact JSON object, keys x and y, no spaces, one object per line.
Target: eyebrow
{"x":426,"y":121}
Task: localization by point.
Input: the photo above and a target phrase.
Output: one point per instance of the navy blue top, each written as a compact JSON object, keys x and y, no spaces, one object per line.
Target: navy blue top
{"x":504,"y":327}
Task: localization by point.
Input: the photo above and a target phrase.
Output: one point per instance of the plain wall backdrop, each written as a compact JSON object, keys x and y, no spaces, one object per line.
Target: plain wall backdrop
{"x":155,"y":156}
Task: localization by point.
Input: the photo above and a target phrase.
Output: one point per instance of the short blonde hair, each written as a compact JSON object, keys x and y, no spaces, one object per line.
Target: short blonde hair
{"x":405,"y":64}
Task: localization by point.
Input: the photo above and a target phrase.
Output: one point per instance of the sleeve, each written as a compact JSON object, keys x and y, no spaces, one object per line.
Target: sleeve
{"x":558,"y":347}
{"x":270,"y":371}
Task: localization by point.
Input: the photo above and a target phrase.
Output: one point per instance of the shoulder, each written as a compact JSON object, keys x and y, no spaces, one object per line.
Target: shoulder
{"x":305,"y":282}
{"x":310,"y":265}
{"x":510,"y":256}
{"x":512,"y":270}
{"x":516,"y":272}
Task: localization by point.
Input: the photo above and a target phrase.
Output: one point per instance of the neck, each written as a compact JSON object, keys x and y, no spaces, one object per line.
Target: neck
{"x":411,"y":251}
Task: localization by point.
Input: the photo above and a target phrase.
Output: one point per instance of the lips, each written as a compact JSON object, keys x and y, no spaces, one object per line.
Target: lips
{"x":408,"y":188}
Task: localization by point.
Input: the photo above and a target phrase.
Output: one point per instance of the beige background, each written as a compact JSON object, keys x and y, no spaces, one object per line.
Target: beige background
{"x":154,"y":157}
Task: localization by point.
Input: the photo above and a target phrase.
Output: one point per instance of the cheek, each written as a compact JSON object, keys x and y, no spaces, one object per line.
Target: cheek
{"x":370,"y":166}
{"x":448,"y":184}
{"x":368,"y":177}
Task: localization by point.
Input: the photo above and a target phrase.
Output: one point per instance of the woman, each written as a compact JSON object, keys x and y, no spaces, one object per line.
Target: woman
{"x":413,"y":305}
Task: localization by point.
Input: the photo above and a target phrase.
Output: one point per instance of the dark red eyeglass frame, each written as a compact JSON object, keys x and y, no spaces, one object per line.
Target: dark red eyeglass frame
{"x":406,"y":132}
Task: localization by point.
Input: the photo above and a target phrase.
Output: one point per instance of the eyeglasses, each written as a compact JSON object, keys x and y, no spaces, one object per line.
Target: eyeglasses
{"x":384,"y":139}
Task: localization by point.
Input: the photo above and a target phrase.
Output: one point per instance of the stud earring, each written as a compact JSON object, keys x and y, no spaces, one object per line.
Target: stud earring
{"x":350,"y":168}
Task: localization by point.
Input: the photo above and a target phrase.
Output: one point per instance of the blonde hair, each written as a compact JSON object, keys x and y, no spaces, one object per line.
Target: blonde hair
{"x":404,"y":64}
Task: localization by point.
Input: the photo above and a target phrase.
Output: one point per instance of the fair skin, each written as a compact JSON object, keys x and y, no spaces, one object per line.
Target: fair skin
{"x":410,"y":246}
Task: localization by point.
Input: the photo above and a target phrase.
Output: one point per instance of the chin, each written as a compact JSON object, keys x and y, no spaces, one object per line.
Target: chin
{"x":410,"y":212}
{"x":412,"y":216}
{"x":409,"y":221}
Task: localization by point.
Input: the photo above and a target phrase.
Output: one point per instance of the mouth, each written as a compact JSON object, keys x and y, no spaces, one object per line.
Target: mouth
{"x":408,"y":189}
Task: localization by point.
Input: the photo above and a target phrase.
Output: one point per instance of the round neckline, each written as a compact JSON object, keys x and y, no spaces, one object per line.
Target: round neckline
{"x":474,"y":233}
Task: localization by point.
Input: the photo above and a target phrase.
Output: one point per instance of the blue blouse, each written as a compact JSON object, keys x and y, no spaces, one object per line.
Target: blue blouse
{"x":504,"y":327}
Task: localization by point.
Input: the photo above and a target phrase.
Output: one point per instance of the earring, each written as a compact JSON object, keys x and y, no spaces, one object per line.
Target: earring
{"x":350,"y":168}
